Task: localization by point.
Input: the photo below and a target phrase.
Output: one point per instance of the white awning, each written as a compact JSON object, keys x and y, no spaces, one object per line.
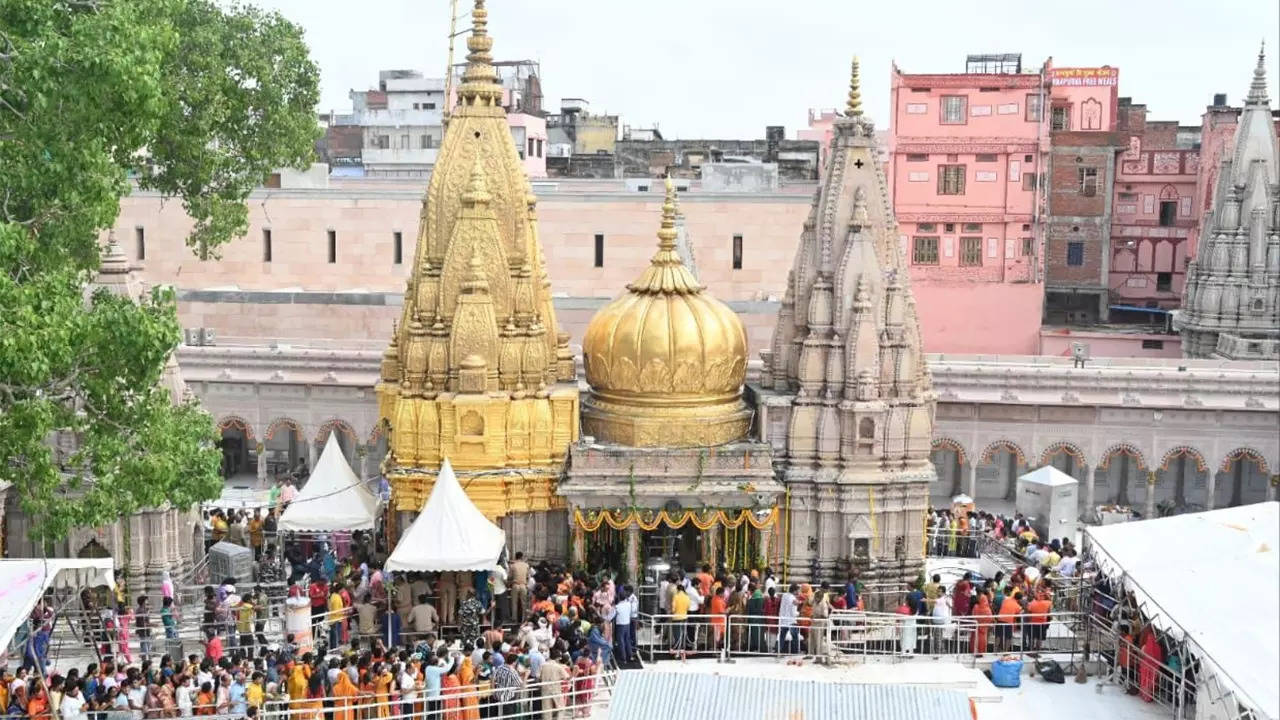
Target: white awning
{"x":333,"y":498}
{"x":1215,"y":576}
{"x":449,"y":534}
{"x":24,"y":582}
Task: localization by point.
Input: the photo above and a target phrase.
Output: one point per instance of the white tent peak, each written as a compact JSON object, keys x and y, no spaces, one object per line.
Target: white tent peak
{"x":1049,"y":475}
{"x":449,"y":534}
{"x":334,"y":498}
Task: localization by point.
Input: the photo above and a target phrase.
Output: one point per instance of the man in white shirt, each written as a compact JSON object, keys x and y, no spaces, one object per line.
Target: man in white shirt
{"x":623,"y":629}
{"x":788,"y":632}
{"x":72,"y":707}
{"x":695,"y":602}
{"x":943,"y":629}
{"x":1067,"y":565}
{"x":498,"y":584}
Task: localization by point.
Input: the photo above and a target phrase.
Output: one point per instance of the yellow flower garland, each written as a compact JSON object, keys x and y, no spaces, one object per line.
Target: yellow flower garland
{"x":591,"y":520}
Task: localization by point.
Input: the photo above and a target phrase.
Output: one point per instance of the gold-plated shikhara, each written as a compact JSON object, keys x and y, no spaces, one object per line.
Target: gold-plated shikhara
{"x":477,"y":369}
{"x":666,"y":360}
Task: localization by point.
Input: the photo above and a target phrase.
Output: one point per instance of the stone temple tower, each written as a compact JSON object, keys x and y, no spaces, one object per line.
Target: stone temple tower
{"x":845,"y":397}
{"x":477,"y":370}
{"x":1232,"y":304}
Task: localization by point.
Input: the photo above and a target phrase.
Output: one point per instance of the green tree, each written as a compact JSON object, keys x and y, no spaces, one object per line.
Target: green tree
{"x":193,"y":99}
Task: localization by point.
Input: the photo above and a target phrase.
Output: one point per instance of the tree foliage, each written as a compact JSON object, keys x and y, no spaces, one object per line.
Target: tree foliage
{"x":189,"y":98}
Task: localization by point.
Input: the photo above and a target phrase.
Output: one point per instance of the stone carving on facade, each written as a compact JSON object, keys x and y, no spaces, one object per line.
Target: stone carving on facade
{"x":847,"y":371}
{"x":477,"y":369}
{"x":1232,"y":304}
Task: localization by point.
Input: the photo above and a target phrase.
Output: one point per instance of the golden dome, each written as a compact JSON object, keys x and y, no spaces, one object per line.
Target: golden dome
{"x":666,"y":361}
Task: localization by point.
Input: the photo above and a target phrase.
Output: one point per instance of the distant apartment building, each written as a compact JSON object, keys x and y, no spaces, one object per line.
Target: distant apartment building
{"x":1082,"y":107}
{"x":966,"y":154}
{"x":1153,"y":212}
{"x":395,"y":129}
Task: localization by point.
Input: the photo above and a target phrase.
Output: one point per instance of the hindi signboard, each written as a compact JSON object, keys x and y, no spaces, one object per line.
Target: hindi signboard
{"x":1084,"y":77}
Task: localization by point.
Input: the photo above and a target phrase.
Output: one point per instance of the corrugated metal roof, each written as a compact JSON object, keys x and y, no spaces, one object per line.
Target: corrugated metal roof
{"x":645,"y":695}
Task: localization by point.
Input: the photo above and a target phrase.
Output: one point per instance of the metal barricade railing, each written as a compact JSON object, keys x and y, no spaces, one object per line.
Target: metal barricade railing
{"x":560,"y":700}
{"x":1139,"y":673}
{"x":852,"y":632}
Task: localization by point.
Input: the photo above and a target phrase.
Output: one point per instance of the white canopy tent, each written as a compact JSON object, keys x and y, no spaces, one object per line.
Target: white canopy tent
{"x":24,"y":582}
{"x":333,"y":499}
{"x":1215,"y":576}
{"x":449,"y":534}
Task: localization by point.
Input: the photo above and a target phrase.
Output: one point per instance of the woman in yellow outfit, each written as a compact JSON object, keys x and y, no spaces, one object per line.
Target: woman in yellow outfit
{"x":382,"y":690}
{"x":345,"y":693}
{"x":470,"y":696}
{"x":298,"y":682}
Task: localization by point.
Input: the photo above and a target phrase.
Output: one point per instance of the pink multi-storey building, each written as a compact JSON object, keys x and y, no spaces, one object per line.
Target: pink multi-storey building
{"x":1153,"y":211}
{"x":965,"y":154}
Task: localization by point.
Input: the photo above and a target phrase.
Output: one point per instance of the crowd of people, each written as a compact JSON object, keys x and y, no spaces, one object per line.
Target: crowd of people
{"x":696,"y":612}
{"x":516,"y":638}
{"x":463,"y":645}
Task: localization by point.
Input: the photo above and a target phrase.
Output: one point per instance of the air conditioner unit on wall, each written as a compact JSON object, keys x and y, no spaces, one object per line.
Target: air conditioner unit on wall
{"x":191,"y":336}
{"x":207,"y":336}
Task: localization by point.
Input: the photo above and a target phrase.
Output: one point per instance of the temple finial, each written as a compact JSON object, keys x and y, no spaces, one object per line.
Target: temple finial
{"x":1258,"y":88}
{"x":667,"y":233}
{"x":853,"y":108}
{"x":480,"y":79}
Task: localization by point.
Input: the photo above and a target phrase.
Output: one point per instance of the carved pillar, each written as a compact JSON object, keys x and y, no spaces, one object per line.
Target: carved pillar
{"x":312,"y":451}
{"x":1271,"y":490}
{"x":973,"y":481}
{"x":1151,"y":495}
{"x":766,"y":540}
{"x":711,"y":546}
{"x":633,"y":572}
{"x":364,"y":462}
{"x":1210,"y":487}
{"x":1088,"y":493}
{"x":262,"y":463}
{"x":578,"y":541}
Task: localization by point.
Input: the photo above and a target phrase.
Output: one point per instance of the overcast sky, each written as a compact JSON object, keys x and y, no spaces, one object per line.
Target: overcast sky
{"x":727,"y":68}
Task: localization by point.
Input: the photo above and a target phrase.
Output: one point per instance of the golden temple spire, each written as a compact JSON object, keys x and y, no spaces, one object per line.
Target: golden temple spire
{"x":667,"y":272}
{"x":853,"y":108}
{"x":480,"y":79}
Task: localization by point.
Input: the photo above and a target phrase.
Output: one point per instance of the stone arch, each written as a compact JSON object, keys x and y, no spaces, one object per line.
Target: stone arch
{"x":952,"y":470}
{"x":1123,"y":448}
{"x":1241,"y":479}
{"x":1177,"y":450}
{"x":1124,"y":482}
{"x":348,"y":440}
{"x":1168,"y":192}
{"x":1243,"y":453}
{"x":997,"y":469}
{"x":235,"y":422}
{"x":286,"y":451}
{"x":1181,"y":482}
{"x":1009,"y":445}
{"x":280,"y":422}
{"x":238,"y":445}
{"x":1070,"y":448}
{"x":946,"y":443}
{"x":336,"y":424}
{"x":1071,"y":459}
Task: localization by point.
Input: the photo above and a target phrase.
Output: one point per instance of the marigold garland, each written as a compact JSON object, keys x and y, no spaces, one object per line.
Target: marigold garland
{"x":591,"y":520}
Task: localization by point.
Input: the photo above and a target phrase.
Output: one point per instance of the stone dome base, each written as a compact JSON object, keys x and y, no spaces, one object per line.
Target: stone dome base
{"x":672,"y":425}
